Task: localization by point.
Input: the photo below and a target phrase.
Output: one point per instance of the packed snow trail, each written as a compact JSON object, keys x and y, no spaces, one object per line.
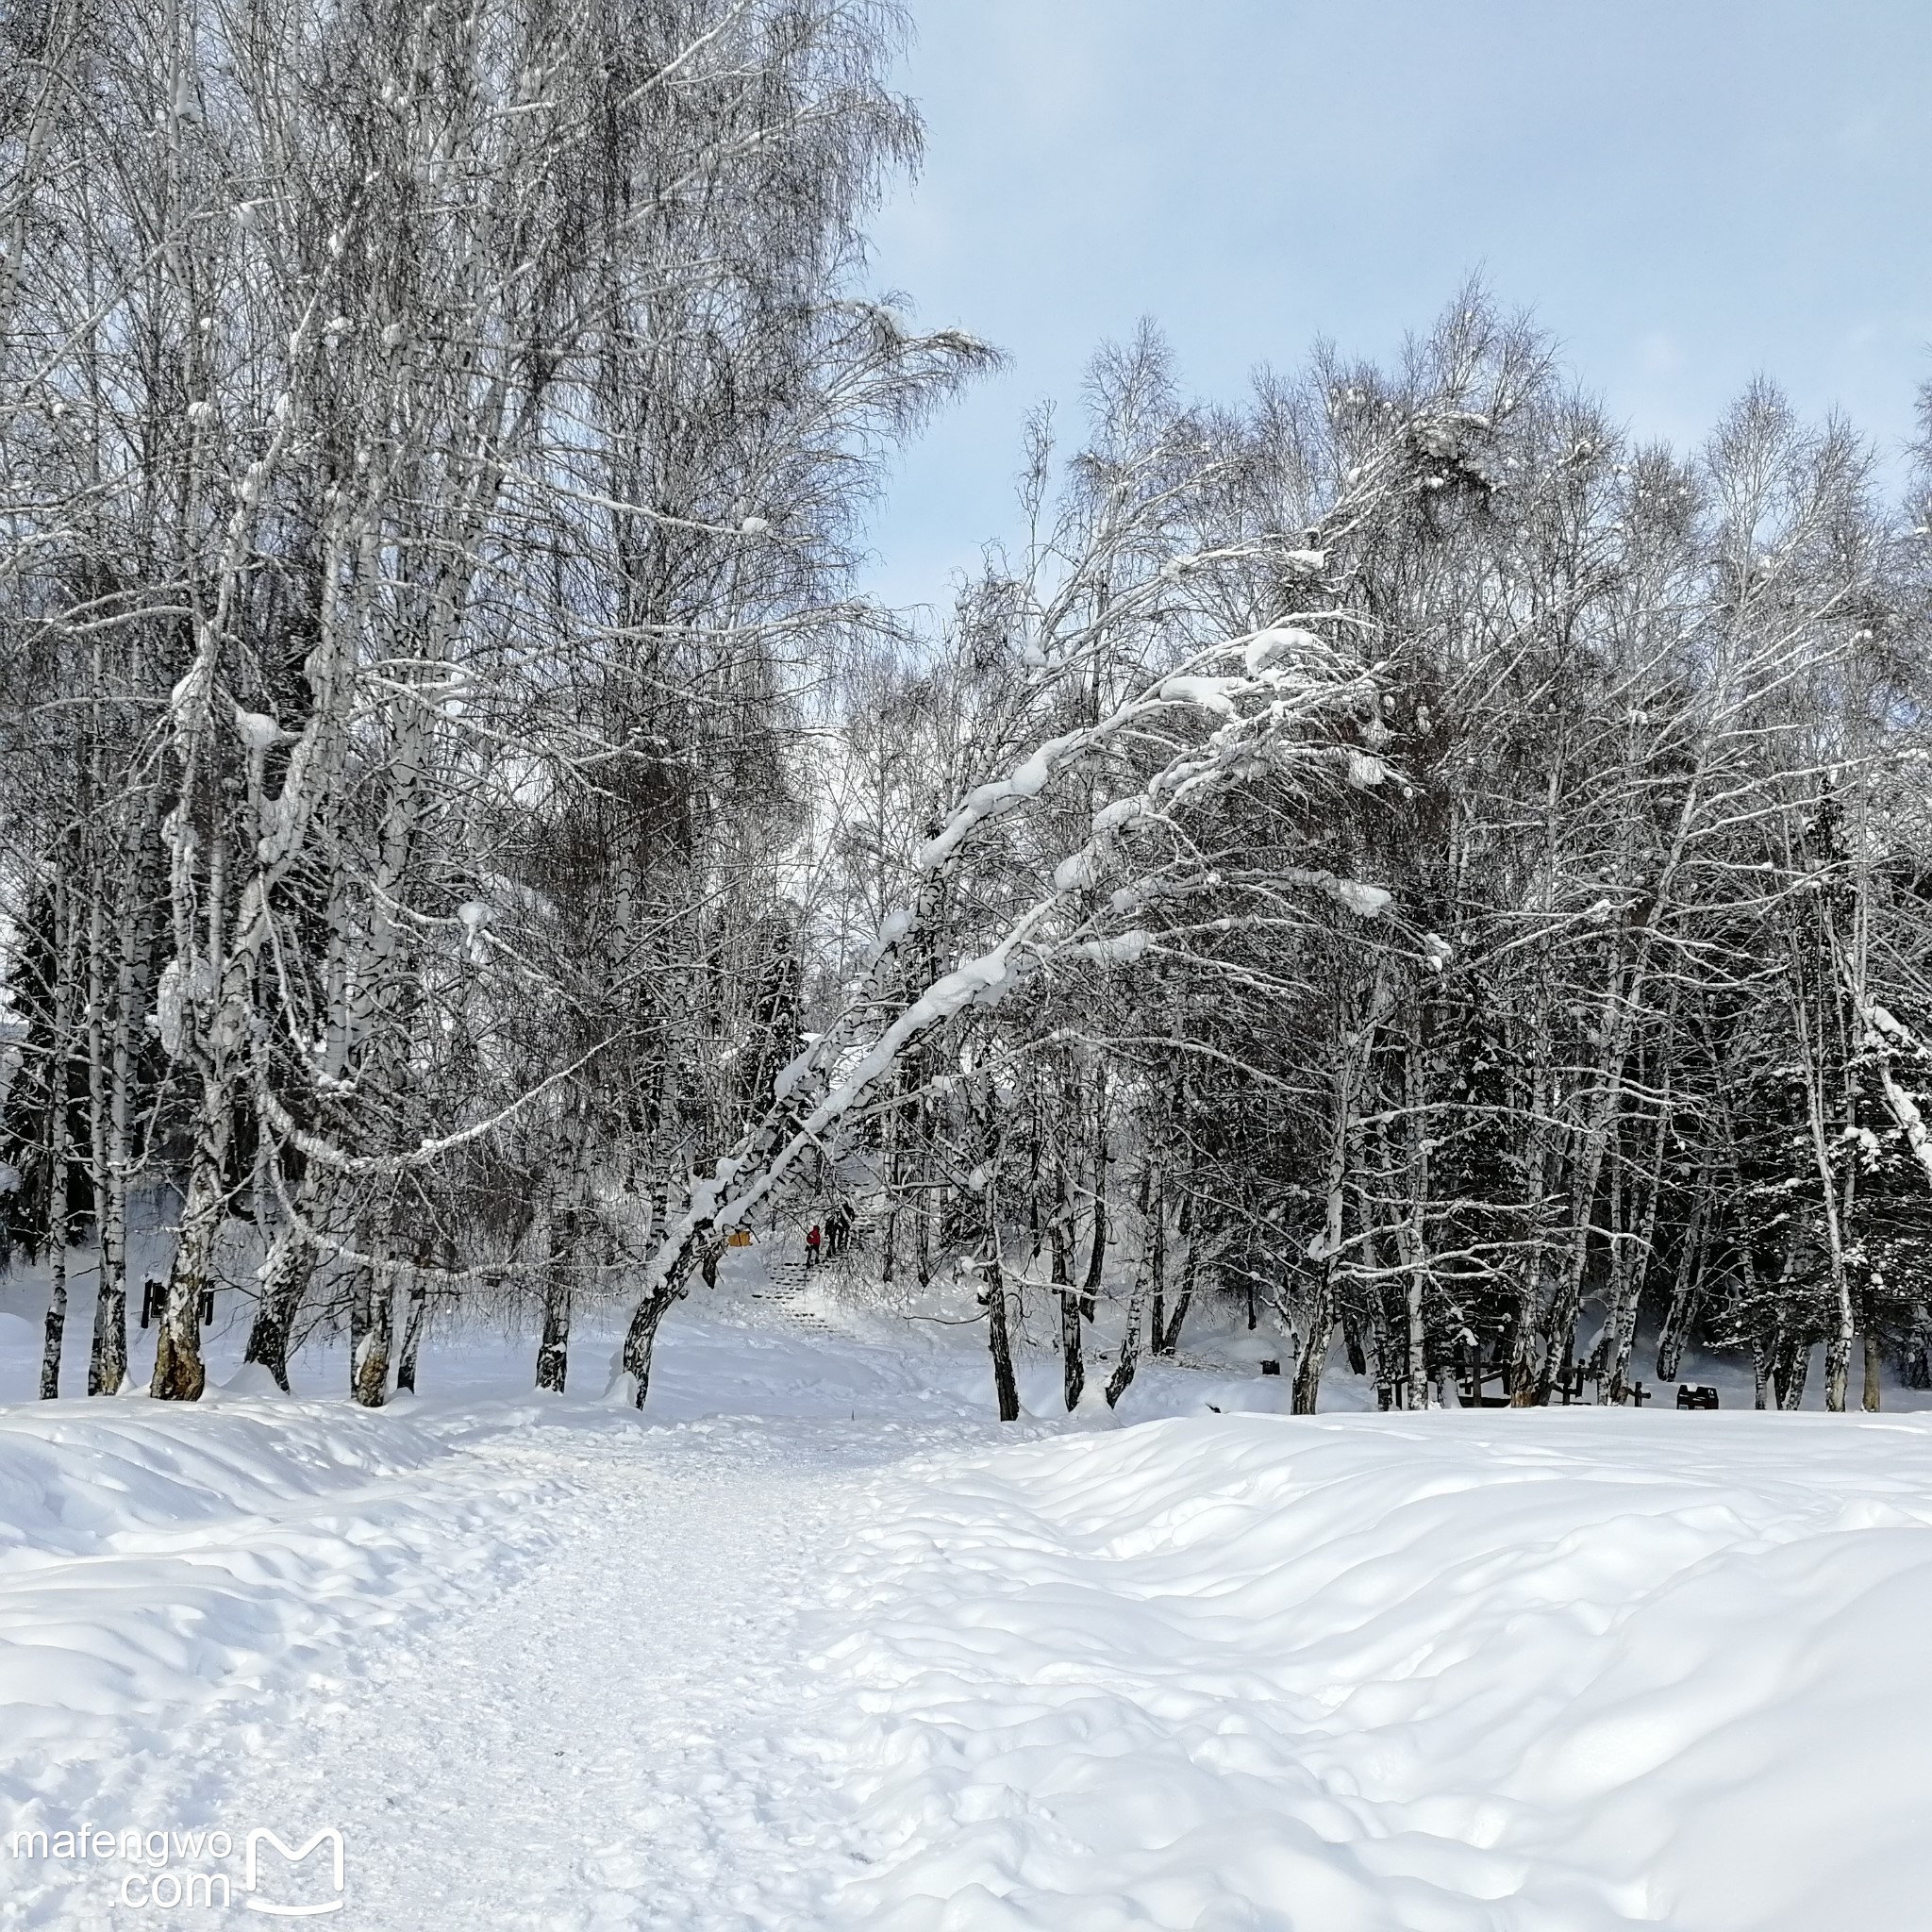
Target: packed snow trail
{"x":612,"y":1739}
{"x":538,"y":1661}
{"x":610,"y":1744}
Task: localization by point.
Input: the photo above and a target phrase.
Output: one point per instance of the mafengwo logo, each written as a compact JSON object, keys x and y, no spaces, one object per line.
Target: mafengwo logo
{"x":184,"y":1871}
{"x":256,"y":1895}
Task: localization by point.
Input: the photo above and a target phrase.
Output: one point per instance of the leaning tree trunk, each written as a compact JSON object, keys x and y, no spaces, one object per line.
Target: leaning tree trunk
{"x":1090,"y":1289}
{"x":1147,"y":1281}
{"x":1796,"y":1372}
{"x":999,"y":1339}
{"x":641,"y":1337}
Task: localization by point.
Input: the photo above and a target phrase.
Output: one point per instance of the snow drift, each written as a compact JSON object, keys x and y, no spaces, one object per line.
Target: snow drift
{"x":1450,"y":1674}
{"x":154,"y":1557}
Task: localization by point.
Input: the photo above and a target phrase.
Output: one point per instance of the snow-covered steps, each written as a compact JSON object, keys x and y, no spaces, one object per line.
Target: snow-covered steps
{"x":790,"y":1295}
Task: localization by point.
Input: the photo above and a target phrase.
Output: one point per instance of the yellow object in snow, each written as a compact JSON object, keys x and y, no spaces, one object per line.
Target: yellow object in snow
{"x":740,"y":1237}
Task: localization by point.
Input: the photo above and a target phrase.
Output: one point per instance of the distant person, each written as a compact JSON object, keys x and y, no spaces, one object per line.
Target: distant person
{"x":811,"y":1245}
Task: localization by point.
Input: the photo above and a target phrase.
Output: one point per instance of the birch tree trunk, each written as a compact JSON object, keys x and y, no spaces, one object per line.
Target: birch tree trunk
{"x":372,"y":1323}
{"x":1169,"y":1341}
{"x":110,"y":1084}
{"x":54,"y":1332}
{"x":1687,"y":1289}
{"x":1060,"y":1239}
{"x":1344,"y":1086}
{"x":178,"y":1374}
{"x":1090,"y":1289}
{"x":557,"y":1238}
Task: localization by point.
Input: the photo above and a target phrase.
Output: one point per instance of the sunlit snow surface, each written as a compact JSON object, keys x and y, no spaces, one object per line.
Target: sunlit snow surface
{"x":1568,"y":1670}
{"x":816,"y":1644}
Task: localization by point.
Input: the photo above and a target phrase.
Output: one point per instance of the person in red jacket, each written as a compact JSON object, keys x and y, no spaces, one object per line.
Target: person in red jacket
{"x":811,"y":1245}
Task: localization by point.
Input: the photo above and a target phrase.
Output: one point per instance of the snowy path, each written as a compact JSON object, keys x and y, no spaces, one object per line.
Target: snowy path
{"x":540,"y":1666}
{"x":606,"y":1745}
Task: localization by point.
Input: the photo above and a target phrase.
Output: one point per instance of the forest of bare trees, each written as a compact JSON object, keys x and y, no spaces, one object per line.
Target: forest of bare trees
{"x":1387,"y":852}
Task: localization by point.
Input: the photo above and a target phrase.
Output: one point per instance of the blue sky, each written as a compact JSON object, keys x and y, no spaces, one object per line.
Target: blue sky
{"x":1686,"y":193}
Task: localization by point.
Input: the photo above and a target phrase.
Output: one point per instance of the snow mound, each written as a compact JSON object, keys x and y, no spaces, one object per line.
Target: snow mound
{"x":251,"y":1379}
{"x":152,"y":1559}
{"x":1441,"y":1673}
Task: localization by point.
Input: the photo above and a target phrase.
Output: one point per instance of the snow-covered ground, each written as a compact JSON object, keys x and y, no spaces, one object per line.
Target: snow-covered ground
{"x":816,"y":1644}
{"x":1523,"y":1671}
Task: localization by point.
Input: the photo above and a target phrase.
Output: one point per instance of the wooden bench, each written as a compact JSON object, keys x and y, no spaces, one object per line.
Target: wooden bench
{"x":1474,"y":1378}
{"x":1696,"y":1395}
